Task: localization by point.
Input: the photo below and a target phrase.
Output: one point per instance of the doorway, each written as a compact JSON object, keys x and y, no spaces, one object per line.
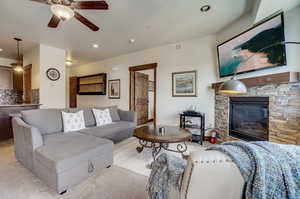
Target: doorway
{"x":73,"y":92}
{"x":142,"y":91}
{"x":27,"y":84}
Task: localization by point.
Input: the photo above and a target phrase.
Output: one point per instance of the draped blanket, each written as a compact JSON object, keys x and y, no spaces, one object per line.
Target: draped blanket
{"x":270,"y":171}
{"x":165,"y":175}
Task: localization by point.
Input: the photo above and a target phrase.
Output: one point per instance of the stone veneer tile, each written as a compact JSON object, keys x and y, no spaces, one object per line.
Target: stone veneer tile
{"x":35,"y":96}
{"x":284,"y":109}
{"x":10,"y":96}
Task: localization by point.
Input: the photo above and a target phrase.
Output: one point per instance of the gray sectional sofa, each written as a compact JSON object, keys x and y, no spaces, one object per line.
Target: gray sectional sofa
{"x":63,"y":160}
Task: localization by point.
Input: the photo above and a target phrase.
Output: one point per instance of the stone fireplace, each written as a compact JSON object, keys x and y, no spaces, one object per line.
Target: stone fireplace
{"x":276,"y":108}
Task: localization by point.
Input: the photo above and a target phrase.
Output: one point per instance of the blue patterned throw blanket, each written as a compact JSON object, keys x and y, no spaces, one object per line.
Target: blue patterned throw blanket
{"x":165,"y":175}
{"x":270,"y":171}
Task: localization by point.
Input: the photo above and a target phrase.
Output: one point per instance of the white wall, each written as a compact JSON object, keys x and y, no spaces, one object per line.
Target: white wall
{"x":52,"y":93}
{"x":42,"y":57}
{"x":198,"y":54}
{"x":269,"y":7}
{"x":32,"y":57}
{"x":292,"y":33}
{"x":6,"y":78}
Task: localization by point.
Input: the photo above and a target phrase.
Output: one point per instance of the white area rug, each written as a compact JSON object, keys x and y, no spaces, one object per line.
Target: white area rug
{"x":126,"y":156}
{"x":122,"y":181}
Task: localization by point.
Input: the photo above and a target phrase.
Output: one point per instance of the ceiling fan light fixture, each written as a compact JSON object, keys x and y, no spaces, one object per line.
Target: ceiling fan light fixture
{"x":62,"y":12}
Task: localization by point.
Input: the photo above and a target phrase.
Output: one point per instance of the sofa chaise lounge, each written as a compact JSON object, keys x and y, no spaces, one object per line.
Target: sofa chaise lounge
{"x":63,"y":160}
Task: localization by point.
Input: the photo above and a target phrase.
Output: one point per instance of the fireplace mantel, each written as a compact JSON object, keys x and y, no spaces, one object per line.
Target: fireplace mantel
{"x":279,"y":78}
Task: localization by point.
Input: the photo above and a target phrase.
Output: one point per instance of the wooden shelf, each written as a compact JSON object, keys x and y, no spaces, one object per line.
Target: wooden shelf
{"x":92,"y":84}
{"x":279,"y":78}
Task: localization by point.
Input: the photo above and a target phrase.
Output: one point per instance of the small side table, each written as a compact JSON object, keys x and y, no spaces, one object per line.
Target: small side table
{"x":199,"y":137}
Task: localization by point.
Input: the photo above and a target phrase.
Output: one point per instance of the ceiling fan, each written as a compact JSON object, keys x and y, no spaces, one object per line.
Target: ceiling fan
{"x":66,"y":9}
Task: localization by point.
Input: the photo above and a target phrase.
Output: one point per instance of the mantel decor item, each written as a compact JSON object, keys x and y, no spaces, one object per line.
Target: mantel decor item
{"x":234,"y":54}
{"x":184,"y":84}
{"x":114,"y":89}
{"x":234,"y":86}
{"x":53,"y":74}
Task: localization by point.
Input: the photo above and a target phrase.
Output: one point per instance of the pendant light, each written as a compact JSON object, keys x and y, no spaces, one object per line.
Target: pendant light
{"x":18,"y":67}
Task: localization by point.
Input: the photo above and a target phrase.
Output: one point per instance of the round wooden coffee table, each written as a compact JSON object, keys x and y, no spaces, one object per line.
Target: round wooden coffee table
{"x":151,"y":137}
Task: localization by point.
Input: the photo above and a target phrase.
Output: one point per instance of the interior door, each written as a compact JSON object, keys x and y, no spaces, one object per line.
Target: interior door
{"x":27,"y":84}
{"x":73,"y":92}
{"x":141,"y":97}
{"x":17,"y":81}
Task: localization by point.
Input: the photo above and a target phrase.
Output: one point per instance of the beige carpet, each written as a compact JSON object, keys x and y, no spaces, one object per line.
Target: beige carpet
{"x":125,"y":180}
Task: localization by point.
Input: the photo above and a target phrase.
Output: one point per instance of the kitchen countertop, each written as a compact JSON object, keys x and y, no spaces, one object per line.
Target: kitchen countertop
{"x":17,"y":105}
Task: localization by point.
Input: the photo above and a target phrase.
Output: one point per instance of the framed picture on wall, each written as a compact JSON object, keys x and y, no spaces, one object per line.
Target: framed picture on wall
{"x":184,"y":84}
{"x":114,"y":89}
{"x":249,"y":51}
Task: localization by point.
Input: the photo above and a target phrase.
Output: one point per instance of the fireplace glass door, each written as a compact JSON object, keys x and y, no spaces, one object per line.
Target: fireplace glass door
{"x":249,"y":118}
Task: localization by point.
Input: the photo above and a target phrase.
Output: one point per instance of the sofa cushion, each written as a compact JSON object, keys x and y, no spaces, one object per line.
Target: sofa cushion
{"x":113,"y":112}
{"x":48,"y":121}
{"x":64,"y":151}
{"x":102,"y":117}
{"x":73,"y":121}
{"x":116,"y":131}
{"x":89,"y":118}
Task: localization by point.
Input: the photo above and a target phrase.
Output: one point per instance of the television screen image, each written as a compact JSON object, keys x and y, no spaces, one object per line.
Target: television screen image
{"x":243,"y":52}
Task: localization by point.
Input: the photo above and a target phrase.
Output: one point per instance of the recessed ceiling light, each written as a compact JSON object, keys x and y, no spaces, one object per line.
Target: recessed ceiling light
{"x":69,"y":62}
{"x":1,"y":49}
{"x":132,"y":40}
{"x":205,"y":8}
{"x":95,"y":46}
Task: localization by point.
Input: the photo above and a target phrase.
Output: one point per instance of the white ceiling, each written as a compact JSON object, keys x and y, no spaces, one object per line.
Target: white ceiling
{"x":150,"y":22}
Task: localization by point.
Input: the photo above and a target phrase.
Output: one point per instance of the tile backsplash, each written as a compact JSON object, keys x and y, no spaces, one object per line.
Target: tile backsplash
{"x":10,"y":96}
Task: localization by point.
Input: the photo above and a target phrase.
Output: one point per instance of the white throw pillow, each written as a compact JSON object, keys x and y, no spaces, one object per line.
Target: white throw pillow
{"x":102,"y":117}
{"x":73,"y":121}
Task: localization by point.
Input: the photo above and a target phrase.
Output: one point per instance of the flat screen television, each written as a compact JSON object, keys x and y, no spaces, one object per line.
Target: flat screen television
{"x":235,"y":53}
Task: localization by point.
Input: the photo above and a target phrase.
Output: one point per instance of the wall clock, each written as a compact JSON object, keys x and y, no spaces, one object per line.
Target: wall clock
{"x":53,"y":74}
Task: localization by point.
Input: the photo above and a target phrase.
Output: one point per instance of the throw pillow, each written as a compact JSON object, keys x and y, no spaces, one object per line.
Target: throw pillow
{"x":113,"y":110}
{"x":73,"y":121}
{"x":102,"y":117}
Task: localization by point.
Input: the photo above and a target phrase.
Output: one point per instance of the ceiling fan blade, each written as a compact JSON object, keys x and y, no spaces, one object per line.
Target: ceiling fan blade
{"x":94,"y":5}
{"x":54,"y":21}
{"x":41,"y":1}
{"x":86,"y":22}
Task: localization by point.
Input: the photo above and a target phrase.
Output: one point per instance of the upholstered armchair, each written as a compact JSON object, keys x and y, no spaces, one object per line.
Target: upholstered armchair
{"x":211,"y":175}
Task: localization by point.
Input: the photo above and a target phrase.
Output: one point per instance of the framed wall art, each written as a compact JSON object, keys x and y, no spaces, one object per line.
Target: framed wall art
{"x":114,"y":89}
{"x":184,"y":84}
{"x":249,"y":50}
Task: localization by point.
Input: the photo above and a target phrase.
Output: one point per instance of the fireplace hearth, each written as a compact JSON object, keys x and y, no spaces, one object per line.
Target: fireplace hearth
{"x":249,"y":118}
